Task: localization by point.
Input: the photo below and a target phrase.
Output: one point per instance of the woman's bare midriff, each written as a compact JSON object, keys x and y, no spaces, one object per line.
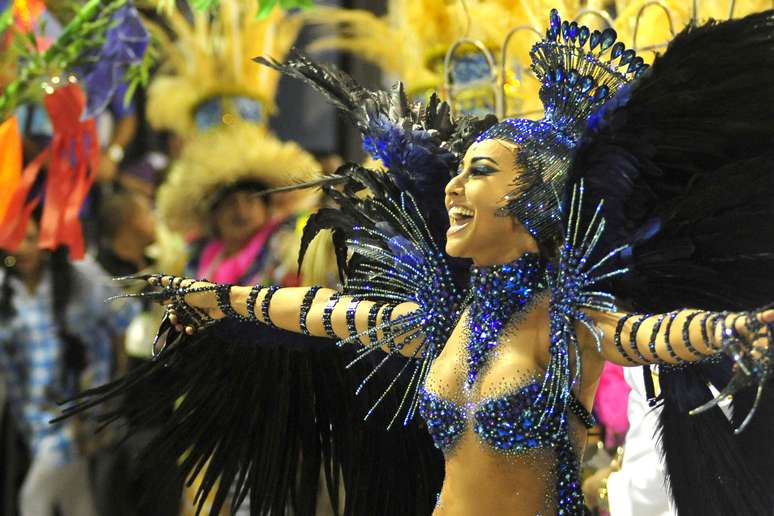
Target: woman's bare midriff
{"x":480,"y":480}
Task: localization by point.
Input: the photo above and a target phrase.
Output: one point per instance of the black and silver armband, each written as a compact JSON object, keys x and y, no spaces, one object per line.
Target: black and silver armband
{"x":306,"y":305}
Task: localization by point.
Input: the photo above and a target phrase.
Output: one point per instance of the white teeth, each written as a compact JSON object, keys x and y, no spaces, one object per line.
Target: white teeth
{"x":459,"y":217}
{"x":459,"y":211}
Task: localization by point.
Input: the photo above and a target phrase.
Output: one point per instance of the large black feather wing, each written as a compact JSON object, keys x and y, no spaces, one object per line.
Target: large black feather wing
{"x":260,"y":413}
{"x":684,"y":160}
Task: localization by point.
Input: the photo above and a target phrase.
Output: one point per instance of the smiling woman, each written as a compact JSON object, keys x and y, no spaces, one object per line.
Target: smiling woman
{"x":504,"y":370}
{"x":475,"y":199}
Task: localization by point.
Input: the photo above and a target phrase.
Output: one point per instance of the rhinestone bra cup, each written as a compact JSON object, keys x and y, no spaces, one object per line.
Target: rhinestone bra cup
{"x":509,"y":423}
{"x":445,"y":420}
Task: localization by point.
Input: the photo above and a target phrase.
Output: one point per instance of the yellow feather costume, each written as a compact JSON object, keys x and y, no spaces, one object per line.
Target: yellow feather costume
{"x":209,"y":67}
{"x":412,"y":40}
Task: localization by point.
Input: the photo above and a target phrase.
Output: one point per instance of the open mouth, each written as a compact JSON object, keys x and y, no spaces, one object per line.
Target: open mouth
{"x":459,"y":218}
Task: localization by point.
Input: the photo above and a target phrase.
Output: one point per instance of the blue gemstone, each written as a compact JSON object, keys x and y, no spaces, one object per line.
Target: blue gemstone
{"x":586,"y":83}
{"x":608,"y":38}
{"x":555,"y":20}
{"x":641,"y":70}
{"x":583,"y":35}
{"x":635,"y":65}
{"x":572,"y":77}
{"x":558,"y":75}
{"x":565,"y":30}
{"x":573,"y":31}
{"x":601,"y":93}
{"x":618,"y":49}
{"x":626,"y":57}
{"x":596,"y":37}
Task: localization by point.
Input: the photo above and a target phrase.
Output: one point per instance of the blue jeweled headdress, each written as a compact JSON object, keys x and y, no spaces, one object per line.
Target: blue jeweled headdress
{"x":580,"y":70}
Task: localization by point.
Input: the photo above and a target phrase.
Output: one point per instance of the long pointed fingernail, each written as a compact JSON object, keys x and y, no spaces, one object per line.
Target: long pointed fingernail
{"x":133,"y":277}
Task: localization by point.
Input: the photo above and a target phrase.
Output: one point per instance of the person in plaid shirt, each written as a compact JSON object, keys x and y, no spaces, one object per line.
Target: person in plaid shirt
{"x":56,"y":336}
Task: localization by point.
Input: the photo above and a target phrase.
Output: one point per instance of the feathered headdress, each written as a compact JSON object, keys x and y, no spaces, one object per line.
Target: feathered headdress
{"x":580,"y":70}
{"x":218,"y":101}
{"x":215,"y":159}
{"x":208,"y":77}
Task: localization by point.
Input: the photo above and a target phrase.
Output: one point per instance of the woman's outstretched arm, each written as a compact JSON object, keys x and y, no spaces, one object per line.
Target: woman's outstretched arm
{"x":675,"y":337}
{"x":320,"y":312}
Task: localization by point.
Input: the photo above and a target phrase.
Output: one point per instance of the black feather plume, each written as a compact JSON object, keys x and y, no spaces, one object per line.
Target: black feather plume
{"x":684,"y":160}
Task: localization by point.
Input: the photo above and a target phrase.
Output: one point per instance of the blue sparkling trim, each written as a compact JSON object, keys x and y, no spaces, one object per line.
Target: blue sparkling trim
{"x":351,"y":313}
{"x":328,"y":314}
{"x":445,"y":420}
{"x":667,"y":333}
{"x":266,"y":302}
{"x":499,"y":292}
{"x":687,"y":333}
{"x":633,"y":337}
{"x":250,"y":303}
{"x":306,"y":305}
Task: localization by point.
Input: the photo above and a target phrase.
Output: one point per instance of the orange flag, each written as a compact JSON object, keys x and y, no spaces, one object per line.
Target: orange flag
{"x":72,"y":166}
{"x":10,"y":162}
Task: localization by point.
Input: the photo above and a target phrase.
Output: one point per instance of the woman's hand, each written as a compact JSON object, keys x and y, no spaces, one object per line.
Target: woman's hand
{"x":746,"y":338}
{"x":199,"y":296}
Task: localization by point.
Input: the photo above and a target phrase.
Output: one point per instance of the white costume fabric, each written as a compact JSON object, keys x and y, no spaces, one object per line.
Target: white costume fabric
{"x":637,"y":489}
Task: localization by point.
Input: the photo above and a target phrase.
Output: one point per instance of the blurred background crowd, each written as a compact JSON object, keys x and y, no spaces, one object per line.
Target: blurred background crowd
{"x":176,"y":164}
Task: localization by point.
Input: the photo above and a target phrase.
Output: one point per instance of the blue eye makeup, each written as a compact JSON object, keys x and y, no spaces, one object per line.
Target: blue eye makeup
{"x":482,"y":170}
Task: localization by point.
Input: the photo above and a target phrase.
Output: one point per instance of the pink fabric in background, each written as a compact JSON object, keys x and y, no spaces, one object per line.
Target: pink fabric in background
{"x":229,"y":270}
{"x":611,"y":402}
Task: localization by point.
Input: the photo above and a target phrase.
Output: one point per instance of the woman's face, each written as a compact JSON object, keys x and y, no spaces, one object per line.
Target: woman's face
{"x":239,"y":216}
{"x":473,"y":197}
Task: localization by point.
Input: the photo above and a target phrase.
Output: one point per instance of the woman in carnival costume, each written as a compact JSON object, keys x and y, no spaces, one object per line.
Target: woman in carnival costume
{"x":619,"y":227}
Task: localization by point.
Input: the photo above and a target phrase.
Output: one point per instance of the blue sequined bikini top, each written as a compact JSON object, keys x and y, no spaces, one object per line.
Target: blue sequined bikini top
{"x":521,"y":419}
{"x":511,"y":422}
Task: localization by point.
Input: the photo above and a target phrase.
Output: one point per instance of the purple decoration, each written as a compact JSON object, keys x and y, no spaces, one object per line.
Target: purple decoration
{"x":125,"y":44}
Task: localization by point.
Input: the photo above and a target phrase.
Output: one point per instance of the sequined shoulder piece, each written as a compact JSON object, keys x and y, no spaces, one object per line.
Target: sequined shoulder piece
{"x":572,"y":280}
{"x":403,"y":264}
